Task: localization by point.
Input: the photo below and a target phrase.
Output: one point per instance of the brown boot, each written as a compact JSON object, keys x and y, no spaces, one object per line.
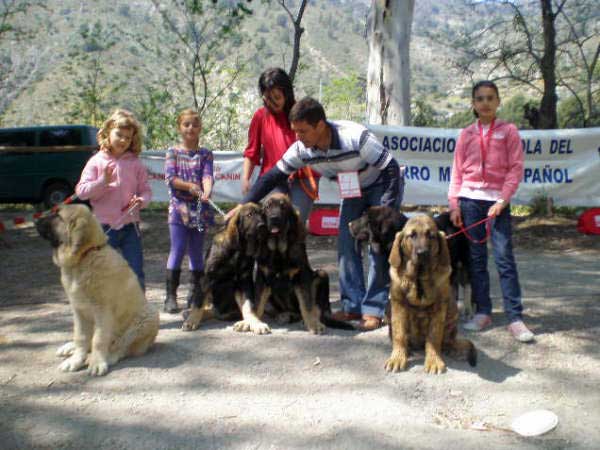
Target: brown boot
{"x":370,"y":323}
{"x":344,"y":316}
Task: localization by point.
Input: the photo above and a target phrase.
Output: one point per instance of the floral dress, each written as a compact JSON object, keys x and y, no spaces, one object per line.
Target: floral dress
{"x":192,"y":166}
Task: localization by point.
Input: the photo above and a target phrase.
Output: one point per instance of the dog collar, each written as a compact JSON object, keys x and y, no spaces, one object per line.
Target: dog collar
{"x":89,"y":249}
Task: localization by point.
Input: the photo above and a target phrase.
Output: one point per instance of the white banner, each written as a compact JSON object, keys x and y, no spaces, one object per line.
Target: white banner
{"x":562,"y":164}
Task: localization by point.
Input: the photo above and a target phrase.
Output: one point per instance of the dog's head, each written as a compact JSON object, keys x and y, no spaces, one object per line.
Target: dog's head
{"x":378,"y":226}
{"x":247,"y":229}
{"x":71,"y":230}
{"x":283,"y":222}
{"x":419,"y":247}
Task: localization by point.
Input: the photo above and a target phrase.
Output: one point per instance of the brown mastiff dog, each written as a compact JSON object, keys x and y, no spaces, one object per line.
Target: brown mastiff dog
{"x":423,"y":312}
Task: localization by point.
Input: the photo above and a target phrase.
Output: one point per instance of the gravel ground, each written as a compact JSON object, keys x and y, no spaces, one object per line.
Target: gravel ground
{"x":215,"y":388}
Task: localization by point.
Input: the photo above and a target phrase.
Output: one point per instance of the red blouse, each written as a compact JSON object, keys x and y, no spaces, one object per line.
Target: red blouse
{"x":271,"y":133}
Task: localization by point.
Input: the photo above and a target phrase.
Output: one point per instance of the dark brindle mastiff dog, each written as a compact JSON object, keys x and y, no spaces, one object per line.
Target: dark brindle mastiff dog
{"x":228,"y":279}
{"x":284,"y":277}
{"x":423,"y":313}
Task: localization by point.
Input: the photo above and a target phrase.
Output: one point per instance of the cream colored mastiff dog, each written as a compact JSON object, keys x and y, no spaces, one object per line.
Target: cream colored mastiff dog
{"x":111,"y":318}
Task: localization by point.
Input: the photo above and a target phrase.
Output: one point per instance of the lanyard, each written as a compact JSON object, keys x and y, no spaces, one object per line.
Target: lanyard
{"x":484,"y":145}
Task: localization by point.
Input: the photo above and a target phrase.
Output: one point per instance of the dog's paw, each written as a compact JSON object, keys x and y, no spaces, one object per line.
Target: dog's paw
{"x":242,"y":326}
{"x":190,"y":325}
{"x":434,"y":365}
{"x":258,"y":327}
{"x":66,"y":350}
{"x":317,"y":328}
{"x":396,"y":362}
{"x":73,"y":363}
{"x":97,"y":367}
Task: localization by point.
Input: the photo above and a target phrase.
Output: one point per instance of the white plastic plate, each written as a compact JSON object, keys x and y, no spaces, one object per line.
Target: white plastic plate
{"x":534,"y":423}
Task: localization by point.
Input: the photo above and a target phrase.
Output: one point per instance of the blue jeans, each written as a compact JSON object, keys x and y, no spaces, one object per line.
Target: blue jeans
{"x":501,"y":233}
{"x":355,"y":298}
{"x":128,"y":241}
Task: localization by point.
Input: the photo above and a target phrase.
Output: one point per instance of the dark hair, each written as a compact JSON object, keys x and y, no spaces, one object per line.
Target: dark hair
{"x":277,"y":78}
{"x":480,"y":84}
{"x":308,"y":110}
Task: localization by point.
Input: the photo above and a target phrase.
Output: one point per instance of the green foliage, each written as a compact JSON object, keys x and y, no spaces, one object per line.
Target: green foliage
{"x":11,"y":13}
{"x":512,"y":110}
{"x":461,"y":119}
{"x":343,"y":98}
{"x":157,"y":112}
{"x":89,"y":99}
{"x":196,"y":30}
{"x":423,"y":115}
{"x":571,"y":114}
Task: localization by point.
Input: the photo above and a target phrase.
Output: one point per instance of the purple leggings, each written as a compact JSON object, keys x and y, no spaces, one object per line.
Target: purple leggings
{"x":184,"y":238}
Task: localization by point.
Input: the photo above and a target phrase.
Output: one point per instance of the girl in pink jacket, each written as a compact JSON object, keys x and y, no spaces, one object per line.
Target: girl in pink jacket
{"x":115,"y":182}
{"x":487,"y":170}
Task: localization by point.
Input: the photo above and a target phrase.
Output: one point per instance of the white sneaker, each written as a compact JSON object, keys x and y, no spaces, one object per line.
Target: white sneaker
{"x":520,"y":332}
{"x":478,"y":322}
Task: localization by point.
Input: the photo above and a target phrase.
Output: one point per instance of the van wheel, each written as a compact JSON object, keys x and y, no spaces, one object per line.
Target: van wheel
{"x":56,"y":193}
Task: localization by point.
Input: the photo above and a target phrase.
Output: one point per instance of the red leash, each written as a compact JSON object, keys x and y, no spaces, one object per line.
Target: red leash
{"x":488,"y":231}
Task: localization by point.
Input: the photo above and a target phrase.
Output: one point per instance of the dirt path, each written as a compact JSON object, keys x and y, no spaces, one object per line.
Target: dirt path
{"x":215,"y":388}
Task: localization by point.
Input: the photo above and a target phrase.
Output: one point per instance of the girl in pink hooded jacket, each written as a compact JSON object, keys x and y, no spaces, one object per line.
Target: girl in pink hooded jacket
{"x":487,"y":170}
{"x":115,"y":182}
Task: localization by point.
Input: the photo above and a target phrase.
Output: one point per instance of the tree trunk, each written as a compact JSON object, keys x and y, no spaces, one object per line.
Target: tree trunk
{"x":298,"y":30}
{"x":548,"y":116}
{"x":388,"y":73}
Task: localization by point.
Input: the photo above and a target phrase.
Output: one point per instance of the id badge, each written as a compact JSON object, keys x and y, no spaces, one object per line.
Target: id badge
{"x":349,"y":185}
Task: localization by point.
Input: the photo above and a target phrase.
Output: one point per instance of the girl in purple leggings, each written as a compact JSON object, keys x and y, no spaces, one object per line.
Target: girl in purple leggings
{"x":189,"y":176}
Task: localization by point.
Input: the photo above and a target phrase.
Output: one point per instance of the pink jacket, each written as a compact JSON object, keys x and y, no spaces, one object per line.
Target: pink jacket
{"x":503,"y":163}
{"x":110,"y":200}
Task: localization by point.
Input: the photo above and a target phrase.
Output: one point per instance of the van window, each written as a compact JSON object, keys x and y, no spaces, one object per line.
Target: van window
{"x":17,"y":139}
{"x":60,"y":136}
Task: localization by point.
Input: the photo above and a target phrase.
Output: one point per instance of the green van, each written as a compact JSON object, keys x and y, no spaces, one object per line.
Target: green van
{"x":43,"y":164}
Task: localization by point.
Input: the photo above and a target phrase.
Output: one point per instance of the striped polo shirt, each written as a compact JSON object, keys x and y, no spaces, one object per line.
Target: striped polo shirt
{"x":353,"y":149}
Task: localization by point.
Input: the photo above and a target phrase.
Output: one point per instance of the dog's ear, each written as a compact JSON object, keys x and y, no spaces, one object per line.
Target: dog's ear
{"x":232,"y":229}
{"x":443,"y":259}
{"x":79,"y":236}
{"x":395,"y":259}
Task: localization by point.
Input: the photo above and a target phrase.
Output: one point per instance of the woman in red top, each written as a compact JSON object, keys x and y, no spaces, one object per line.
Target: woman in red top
{"x":270,"y":135}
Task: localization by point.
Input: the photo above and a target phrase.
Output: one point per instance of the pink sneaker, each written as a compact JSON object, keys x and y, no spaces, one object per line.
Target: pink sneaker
{"x":520,"y":332}
{"x":478,"y":322}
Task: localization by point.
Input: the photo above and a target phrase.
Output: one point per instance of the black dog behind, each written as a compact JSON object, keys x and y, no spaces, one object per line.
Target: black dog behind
{"x":460,"y":261}
{"x":378,"y":226}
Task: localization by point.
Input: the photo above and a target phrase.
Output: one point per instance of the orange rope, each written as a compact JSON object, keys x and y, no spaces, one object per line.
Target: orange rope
{"x":312,"y":191}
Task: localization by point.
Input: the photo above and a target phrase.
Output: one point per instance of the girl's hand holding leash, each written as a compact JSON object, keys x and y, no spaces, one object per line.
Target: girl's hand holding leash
{"x":195,"y":190}
{"x":135,"y":202}
{"x":205,"y":196}
{"x":456,"y":218}
{"x":496,"y":209}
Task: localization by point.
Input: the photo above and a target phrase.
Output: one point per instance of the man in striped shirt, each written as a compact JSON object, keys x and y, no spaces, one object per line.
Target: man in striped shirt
{"x":347,"y":152}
